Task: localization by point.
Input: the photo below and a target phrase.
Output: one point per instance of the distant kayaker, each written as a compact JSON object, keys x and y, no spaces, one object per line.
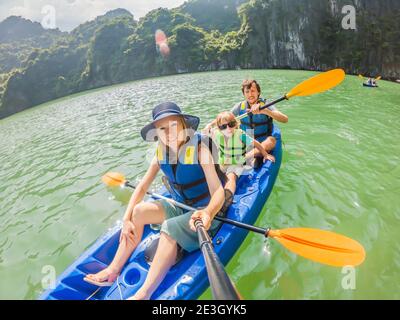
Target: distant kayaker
{"x":190,"y":170}
{"x":233,"y":144}
{"x":259,"y":124}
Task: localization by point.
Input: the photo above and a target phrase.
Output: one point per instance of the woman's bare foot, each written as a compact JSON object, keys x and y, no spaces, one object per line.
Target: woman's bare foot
{"x":140,"y":295}
{"x":107,"y":275}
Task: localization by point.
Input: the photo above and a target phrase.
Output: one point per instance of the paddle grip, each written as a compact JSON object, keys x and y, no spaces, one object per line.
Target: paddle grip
{"x":221,"y":285}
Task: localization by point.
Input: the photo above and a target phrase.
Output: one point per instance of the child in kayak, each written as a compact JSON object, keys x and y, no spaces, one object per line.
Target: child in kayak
{"x":233,"y":144}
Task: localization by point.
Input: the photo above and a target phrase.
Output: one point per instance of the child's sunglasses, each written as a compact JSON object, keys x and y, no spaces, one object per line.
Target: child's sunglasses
{"x":231,"y":124}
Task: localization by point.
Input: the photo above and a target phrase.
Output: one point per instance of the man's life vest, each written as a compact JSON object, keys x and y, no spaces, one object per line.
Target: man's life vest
{"x":260,"y":124}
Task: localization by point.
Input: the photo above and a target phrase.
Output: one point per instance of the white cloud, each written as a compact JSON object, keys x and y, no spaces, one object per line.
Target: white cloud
{"x":70,"y":13}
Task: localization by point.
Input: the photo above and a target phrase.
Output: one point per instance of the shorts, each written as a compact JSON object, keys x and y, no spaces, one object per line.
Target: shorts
{"x":176,"y":225}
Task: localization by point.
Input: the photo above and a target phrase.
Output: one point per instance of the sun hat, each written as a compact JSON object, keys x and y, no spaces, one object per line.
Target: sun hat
{"x":162,"y":111}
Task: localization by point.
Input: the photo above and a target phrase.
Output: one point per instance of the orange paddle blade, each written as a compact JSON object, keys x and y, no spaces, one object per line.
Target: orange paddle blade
{"x":379,"y":78}
{"x":317,"y":84}
{"x":113,"y":179}
{"x":321,"y":246}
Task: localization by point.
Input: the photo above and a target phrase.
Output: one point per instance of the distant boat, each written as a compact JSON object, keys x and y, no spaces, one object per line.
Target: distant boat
{"x":370,"y":85}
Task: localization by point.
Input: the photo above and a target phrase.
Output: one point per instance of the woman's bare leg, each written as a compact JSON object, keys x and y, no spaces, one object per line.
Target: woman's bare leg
{"x":164,"y":259}
{"x":144,"y":213}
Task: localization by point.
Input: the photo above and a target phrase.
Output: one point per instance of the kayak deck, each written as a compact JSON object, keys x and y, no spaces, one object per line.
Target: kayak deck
{"x":188,"y":278}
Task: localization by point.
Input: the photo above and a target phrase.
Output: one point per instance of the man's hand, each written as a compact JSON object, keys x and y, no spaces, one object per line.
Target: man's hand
{"x":255,"y":109}
{"x":207,"y":129}
{"x":204,"y":216}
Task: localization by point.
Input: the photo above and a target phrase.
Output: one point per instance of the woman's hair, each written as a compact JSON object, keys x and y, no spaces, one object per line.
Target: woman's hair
{"x":184,"y":124}
{"x":185,"y":130}
{"x":226,"y":116}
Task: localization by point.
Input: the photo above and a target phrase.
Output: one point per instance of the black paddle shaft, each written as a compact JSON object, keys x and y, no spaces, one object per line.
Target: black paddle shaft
{"x":274,"y":102}
{"x":242,"y":225}
{"x":266,"y":106}
{"x":238,"y":224}
{"x":221,"y":285}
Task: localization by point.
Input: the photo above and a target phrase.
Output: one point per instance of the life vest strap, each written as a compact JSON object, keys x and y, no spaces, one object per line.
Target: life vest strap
{"x":224,"y":153}
{"x":182,"y":187}
{"x":261,"y":135}
{"x":191,"y":202}
{"x":242,"y":148}
{"x":179,"y":187}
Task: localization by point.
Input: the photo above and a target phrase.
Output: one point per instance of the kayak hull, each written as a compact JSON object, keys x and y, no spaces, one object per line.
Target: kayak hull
{"x":188,"y":278}
{"x":369,"y":86}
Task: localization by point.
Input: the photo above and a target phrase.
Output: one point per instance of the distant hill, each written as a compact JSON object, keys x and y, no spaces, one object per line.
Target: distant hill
{"x":18,"y":37}
{"x":16,"y":28}
{"x":86,"y":30}
{"x":218,"y":15}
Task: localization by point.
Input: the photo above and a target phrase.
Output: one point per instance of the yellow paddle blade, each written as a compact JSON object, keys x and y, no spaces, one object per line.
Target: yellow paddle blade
{"x":379,"y":78}
{"x":361,"y":77}
{"x":113,"y":179}
{"x":318,"y":84}
{"x":321,"y":246}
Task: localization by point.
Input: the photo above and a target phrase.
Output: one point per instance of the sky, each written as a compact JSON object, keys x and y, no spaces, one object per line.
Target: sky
{"x":67,"y":14}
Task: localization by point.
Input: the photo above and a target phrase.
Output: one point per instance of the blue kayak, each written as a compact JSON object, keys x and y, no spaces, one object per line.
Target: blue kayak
{"x":188,"y":278}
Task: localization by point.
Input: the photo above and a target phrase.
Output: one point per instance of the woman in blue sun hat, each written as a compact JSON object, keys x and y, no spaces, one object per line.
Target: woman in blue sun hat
{"x":192,"y":178}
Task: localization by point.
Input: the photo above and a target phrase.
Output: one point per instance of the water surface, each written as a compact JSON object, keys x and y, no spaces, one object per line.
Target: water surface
{"x":340,"y":172}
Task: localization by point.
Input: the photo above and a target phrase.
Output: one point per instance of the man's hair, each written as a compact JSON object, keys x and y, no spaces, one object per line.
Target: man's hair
{"x":248,"y":83}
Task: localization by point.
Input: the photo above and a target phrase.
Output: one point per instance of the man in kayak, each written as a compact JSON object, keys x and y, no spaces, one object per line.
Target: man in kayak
{"x":259,"y":123}
{"x":188,"y":165}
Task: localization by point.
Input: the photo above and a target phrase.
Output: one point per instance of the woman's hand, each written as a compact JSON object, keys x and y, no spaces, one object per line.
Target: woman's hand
{"x":204,"y":216}
{"x":128,"y":232}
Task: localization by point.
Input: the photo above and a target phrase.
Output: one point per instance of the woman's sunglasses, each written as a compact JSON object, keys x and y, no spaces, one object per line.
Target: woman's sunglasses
{"x":231,"y":124}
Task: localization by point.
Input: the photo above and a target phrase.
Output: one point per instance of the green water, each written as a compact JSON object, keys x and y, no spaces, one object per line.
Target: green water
{"x":340,"y":172}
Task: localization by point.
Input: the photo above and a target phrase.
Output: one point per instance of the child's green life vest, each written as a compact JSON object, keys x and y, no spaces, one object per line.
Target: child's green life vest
{"x":232,"y":151}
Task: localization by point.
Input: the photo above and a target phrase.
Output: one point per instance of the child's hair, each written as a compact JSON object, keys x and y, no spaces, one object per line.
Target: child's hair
{"x":227,"y":116}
